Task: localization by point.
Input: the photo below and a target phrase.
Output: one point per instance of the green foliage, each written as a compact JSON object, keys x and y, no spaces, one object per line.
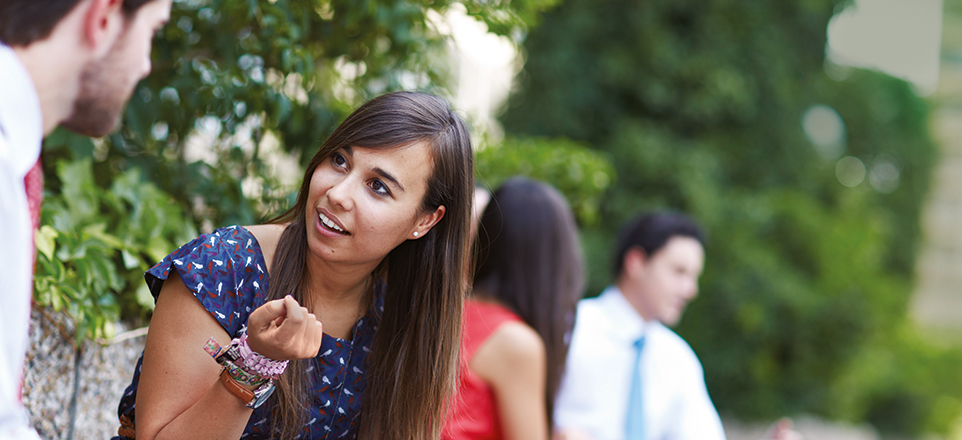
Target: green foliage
{"x":286,"y":72}
{"x":581,"y":174}
{"x":95,"y":244}
{"x":700,"y":106}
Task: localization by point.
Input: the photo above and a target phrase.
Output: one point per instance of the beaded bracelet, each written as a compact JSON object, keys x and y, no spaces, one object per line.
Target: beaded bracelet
{"x":243,"y":377}
{"x":256,"y":363}
{"x":240,"y":353}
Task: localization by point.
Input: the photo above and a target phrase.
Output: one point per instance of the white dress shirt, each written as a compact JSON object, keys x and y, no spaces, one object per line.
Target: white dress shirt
{"x":594,"y":391}
{"x":21,"y":131}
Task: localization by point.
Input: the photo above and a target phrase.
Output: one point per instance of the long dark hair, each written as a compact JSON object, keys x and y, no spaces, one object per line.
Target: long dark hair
{"x":529,"y":259}
{"x":412,"y":367}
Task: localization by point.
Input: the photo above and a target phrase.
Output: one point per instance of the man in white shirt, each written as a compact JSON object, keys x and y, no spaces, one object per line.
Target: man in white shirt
{"x":614,"y":391}
{"x":62,"y":62}
{"x":658,"y":261}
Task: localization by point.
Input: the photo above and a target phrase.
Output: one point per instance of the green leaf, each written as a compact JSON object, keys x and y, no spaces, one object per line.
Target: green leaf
{"x":130,"y":260}
{"x":144,"y":298}
{"x":45,"y":240}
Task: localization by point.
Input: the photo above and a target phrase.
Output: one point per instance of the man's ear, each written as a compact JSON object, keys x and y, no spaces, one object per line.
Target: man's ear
{"x":635,"y":261}
{"x":428,"y":221}
{"x":103,"y":21}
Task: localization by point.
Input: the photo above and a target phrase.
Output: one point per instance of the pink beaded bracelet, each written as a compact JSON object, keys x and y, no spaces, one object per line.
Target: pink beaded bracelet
{"x":255,"y":362}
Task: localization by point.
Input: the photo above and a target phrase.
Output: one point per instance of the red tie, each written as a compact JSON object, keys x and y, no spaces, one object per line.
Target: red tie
{"x":33,"y":182}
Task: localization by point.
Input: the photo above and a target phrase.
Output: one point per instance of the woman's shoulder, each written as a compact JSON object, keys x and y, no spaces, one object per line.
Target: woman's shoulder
{"x":223,"y":269}
{"x":267,"y":236}
{"x":222,"y":242}
{"x":512,"y":345}
{"x":516,"y":340}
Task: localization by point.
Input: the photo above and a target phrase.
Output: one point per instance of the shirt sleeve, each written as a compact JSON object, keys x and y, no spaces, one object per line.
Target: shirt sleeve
{"x":697,"y":417}
{"x":224,"y":270}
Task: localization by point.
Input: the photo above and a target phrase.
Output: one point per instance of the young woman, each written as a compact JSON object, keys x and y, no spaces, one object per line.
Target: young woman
{"x":529,"y":278}
{"x":359,"y":287}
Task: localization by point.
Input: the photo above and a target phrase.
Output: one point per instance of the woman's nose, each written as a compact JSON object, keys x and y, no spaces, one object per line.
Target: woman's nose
{"x":340,"y":194}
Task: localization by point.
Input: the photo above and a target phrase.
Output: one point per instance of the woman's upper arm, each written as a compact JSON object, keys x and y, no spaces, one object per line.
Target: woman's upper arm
{"x":176,"y":370}
{"x":512,"y":361}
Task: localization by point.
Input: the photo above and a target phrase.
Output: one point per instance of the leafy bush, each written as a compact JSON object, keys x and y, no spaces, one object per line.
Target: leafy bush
{"x":581,"y":174}
{"x":95,"y":243}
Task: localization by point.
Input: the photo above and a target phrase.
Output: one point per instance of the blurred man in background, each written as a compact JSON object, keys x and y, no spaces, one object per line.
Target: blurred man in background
{"x":628,"y":376}
{"x":62,"y":62}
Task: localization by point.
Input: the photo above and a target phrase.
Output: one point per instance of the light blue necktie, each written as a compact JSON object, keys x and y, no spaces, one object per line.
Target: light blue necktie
{"x":635,"y":416}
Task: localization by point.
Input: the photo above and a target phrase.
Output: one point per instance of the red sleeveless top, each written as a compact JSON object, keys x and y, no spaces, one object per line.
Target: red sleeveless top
{"x":474,"y":412}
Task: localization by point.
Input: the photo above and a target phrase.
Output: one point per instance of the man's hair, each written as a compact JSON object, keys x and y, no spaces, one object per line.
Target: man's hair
{"x":651,"y":231}
{"x":23,"y":22}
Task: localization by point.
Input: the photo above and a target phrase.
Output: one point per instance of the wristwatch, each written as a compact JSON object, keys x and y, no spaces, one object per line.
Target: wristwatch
{"x":251,"y":399}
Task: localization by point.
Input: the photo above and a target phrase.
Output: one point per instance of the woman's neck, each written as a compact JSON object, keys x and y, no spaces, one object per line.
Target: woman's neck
{"x":336,"y":282}
{"x":337,"y":294}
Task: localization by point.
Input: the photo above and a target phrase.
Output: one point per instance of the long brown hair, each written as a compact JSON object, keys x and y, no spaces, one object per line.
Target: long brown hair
{"x":529,"y":259}
{"x":412,"y":367}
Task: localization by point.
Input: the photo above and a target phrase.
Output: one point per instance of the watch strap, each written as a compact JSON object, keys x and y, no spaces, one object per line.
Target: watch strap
{"x":245,"y":395}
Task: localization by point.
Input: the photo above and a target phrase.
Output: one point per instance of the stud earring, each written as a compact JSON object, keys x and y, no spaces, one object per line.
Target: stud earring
{"x":415,"y":233}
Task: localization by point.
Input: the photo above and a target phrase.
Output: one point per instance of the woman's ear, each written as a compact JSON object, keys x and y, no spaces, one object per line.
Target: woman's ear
{"x":427,"y":222}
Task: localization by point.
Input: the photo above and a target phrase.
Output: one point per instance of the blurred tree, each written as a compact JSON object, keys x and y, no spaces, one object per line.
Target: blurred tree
{"x":809,"y":184}
{"x":581,"y":174}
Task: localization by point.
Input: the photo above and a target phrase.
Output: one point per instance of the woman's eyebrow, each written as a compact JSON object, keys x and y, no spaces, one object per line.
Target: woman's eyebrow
{"x":388,"y":176}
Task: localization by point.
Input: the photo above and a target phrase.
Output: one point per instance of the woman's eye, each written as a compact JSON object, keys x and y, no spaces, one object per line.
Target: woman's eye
{"x":380,"y":188}
{"x":338,"y":159}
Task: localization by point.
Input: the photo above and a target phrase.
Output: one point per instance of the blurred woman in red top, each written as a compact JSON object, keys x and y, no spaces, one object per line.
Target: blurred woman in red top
{"x":529,"y":277}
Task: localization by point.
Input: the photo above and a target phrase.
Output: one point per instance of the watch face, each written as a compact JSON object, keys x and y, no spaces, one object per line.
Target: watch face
{"x":262,"y":393}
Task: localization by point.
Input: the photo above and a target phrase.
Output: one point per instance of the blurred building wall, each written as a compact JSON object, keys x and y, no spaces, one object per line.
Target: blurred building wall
{"x":937,"y":303}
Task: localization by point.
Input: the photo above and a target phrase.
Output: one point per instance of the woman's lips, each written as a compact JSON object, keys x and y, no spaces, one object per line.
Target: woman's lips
{"x":331,"y":223}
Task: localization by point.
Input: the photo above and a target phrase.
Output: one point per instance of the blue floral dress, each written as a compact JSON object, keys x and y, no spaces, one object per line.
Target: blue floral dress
{"x":226,"y":271}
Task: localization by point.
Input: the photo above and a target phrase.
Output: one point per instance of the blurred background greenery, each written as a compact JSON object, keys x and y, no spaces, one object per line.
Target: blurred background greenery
{"x":809,"y":178}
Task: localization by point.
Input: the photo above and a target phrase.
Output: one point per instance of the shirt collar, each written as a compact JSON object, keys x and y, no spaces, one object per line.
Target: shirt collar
{"x":21,"y":120}
{"x":626,"y":322}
